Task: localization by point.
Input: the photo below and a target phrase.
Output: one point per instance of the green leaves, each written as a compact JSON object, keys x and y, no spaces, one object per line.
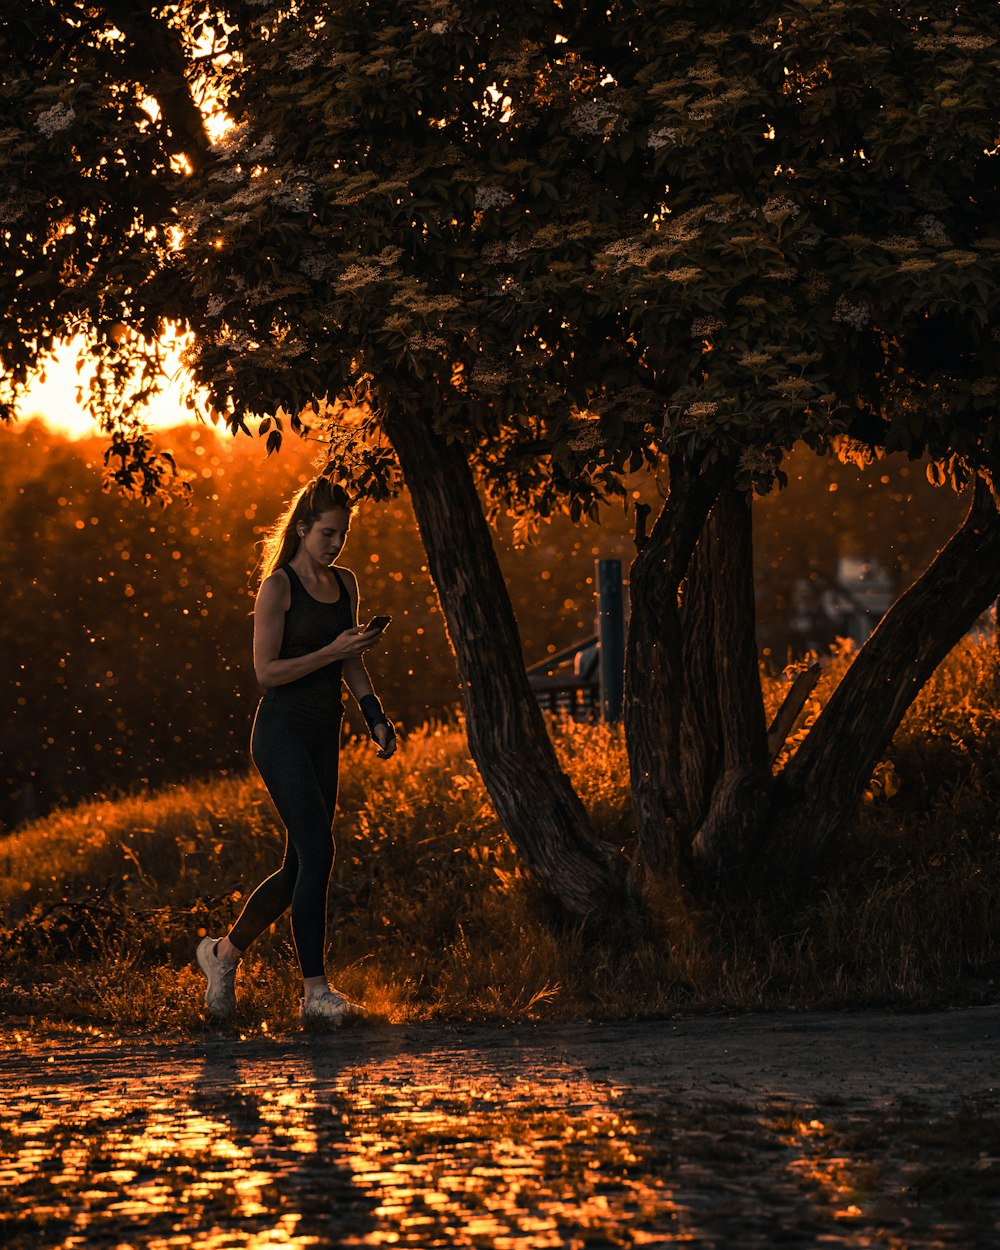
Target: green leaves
{"x":723,"y":228}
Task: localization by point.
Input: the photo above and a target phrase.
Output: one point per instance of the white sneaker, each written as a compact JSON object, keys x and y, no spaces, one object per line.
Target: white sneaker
{"x":330,"y":1006}
{"x":220,"y":995}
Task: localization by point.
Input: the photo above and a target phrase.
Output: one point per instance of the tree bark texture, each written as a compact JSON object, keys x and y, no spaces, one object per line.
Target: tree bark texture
{"x":817,"y":794}
{"x":732,"y":700}
{"x":655,"y":666}
{"x":700,"y":746}
{"x":585,"y":880}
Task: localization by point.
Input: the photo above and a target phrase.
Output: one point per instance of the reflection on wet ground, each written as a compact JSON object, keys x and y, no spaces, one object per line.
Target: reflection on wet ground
{"x":424,"y":1139}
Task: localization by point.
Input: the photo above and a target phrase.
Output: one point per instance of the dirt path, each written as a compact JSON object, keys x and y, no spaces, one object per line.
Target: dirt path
{"x":853,"y":1128}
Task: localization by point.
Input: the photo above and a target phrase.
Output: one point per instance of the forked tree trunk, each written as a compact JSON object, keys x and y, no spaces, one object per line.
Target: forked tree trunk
{"x":729,"y":824}
{"x":818,"y":792}
{"x":585,"y":880}
{"x":655,"y":668}
{"x":716,"y":780}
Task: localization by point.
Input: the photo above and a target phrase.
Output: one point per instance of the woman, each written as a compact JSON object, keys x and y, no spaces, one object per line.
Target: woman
{"x":306,"y":640}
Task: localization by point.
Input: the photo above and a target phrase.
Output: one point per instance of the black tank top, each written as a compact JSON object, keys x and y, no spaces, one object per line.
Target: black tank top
{"x":309,"y":625}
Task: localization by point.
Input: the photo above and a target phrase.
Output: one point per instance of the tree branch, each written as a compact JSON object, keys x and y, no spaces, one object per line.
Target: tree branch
{"x":154,"y":54}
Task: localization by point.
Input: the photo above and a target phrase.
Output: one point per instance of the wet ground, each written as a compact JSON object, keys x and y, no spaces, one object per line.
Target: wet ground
{"x":825,"y":1130}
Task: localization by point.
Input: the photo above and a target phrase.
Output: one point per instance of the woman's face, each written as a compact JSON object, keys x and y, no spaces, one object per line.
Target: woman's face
{"x":324,"y":541}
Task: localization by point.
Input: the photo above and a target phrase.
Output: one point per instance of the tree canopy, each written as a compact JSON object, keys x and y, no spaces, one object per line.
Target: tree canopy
{"x":576,"y":234}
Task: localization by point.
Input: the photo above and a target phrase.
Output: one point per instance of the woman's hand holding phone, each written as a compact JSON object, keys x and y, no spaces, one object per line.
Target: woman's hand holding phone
{"x":351,"y":643}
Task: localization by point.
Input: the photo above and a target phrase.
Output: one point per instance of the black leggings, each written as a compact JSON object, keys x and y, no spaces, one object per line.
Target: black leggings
{"x":298,"y":756}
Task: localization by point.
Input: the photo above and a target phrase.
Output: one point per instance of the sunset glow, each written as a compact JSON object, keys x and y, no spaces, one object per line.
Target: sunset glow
{"x":55,"y":393}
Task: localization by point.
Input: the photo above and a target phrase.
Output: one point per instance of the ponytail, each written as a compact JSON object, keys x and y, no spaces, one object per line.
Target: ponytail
{"x":307,"y":505}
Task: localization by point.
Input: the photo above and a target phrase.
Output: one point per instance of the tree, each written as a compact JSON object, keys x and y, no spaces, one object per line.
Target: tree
{"x":536,"y":247}
{"x":600,"y":237}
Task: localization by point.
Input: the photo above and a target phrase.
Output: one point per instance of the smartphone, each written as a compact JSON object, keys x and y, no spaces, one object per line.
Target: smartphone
{"x":376,"y":625}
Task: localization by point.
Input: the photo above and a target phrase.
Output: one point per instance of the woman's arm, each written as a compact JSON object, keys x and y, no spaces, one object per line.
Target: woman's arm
{"x":269,"y":611}
{"x":360,"y":683}
{"x":355,"y":674}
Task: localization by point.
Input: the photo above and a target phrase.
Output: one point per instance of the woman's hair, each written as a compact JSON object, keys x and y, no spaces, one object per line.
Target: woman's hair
{"x":307,"y":505}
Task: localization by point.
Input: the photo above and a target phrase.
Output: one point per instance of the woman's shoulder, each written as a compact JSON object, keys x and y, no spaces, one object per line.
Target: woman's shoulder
{"x":276,"y":587}
{"x":348,"y":575}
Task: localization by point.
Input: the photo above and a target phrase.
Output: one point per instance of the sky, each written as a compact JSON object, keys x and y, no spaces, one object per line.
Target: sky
{"x":54,"y":399}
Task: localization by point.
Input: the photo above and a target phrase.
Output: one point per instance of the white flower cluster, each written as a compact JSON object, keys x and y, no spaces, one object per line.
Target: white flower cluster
{"x":762,"y":36}
{"x":215,"y":305}
{"x":682,"y":229}
{"x":301,"y":58}
{"x":756,"y":461}
{"x":972,"y":43}
{"x":362,"y":273}
{"x":500,"y":250}
{"x":585,"y":437}
{"x":899,"y":243}
{"x":686,"y":273}
{"x":52,"y":120}
{"x":249,"y":196}
{"x":511,"y":287}
{"x":231,"y":142}
{"x":701,"y":408}
{"x":916,"y":264}
{"x":856,"y":316}
{"x":230,"y":173}
{"x":702,"y":326}
{"x":755,"y":360}
{"x":10,"y":135}
{"x":259,"y":293}
{"x":488,"y":197}
{"x":422,"y":342}
{"x":313,"y":263}
{"x":440,"y":28}
{"x":262,"y":150}
{"x":779,"y":209}
{"x":297,"y":198}
{"x":11,"y":209}
{"x":234,"y":340}
{"x":933,"y":230}
{"x":660,"y":138}
{"x":370,"y":269}
{"x":722,"y":216}
{"x":593,"y":117}
{"x":627,"y":253}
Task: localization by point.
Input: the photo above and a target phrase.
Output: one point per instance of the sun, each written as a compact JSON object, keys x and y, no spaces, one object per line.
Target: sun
{"x":52,"y":394}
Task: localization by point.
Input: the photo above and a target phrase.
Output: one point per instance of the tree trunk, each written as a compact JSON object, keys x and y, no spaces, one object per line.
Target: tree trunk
{"x":741,"y":780}
{"x":700,"y":729}
{"x":655,"y":669}
{"x":818,"y":792}
{"x":585,"y":880}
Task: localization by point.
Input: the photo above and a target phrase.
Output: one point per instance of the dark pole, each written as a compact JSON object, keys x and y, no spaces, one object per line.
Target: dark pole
{"x":611,"y":637}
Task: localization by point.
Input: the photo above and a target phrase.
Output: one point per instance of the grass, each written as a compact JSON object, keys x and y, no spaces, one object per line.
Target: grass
{"x":102,"y":904}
